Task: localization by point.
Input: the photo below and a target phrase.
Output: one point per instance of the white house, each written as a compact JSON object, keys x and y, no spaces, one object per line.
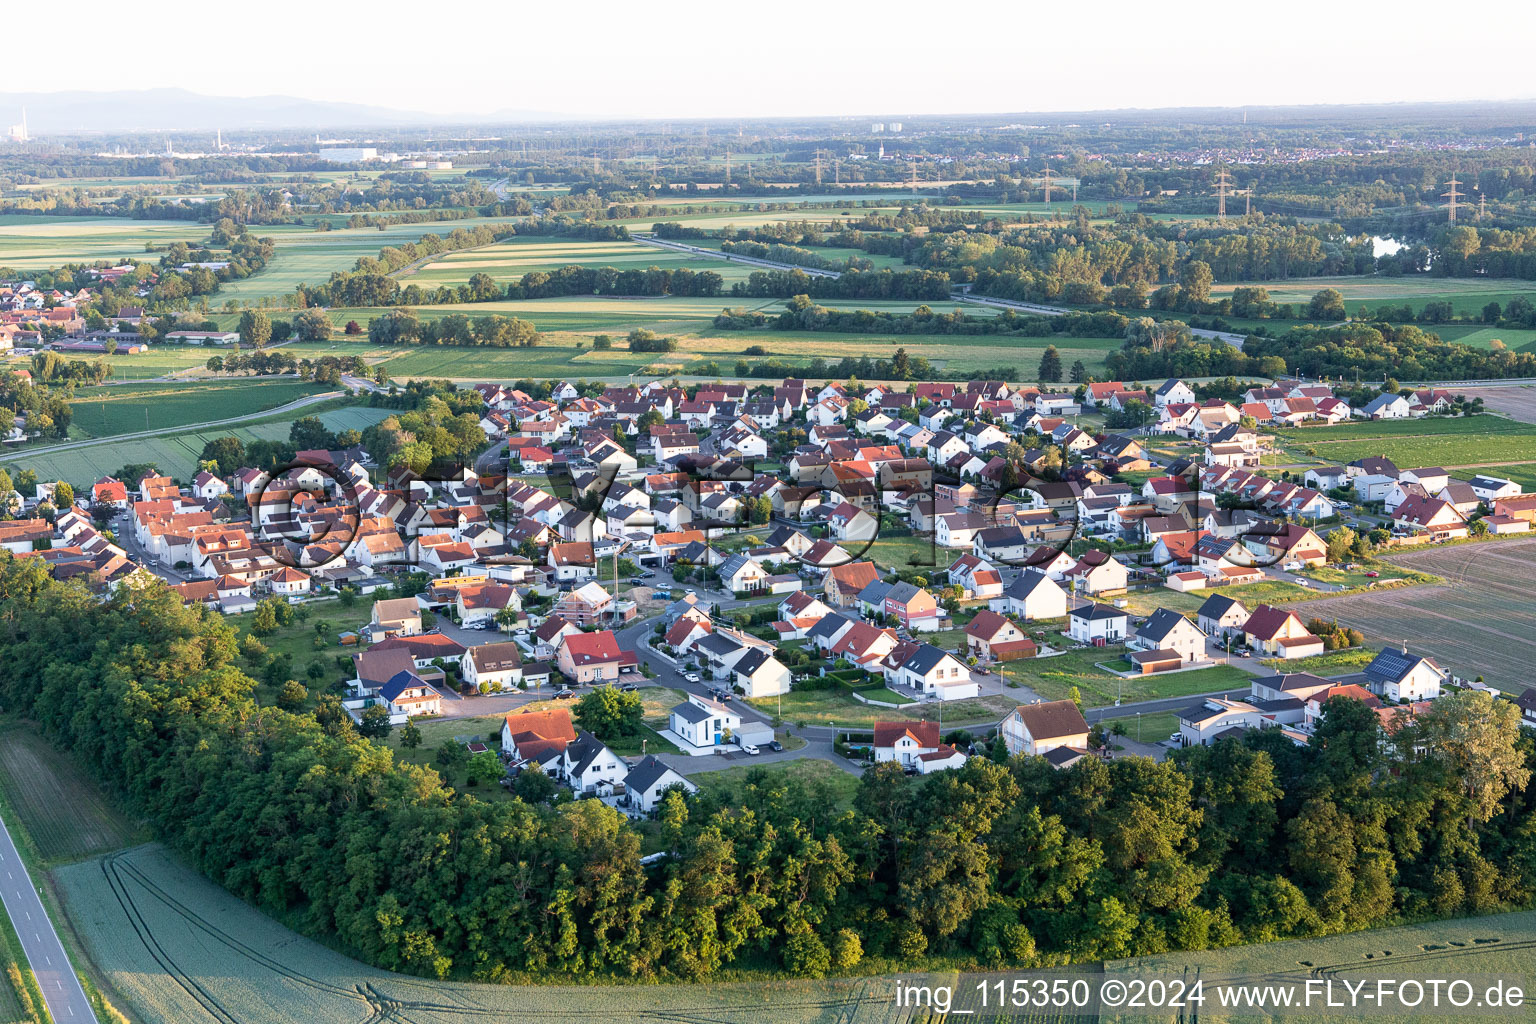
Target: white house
{"x":929,"y":670}
{"x":905,"y":741}
{"x":498,"y":666}
{"x":760,"y":674}
{"x":1097,"y":624}
{"x":1033,"y":595}
{"x":649,"y":780}
{"x":702,"y":722}
{"x":1400,"y":676}
{"x":1167,"y":630}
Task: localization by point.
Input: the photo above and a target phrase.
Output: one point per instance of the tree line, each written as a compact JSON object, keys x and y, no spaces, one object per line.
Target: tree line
{"x":1003,"y":862}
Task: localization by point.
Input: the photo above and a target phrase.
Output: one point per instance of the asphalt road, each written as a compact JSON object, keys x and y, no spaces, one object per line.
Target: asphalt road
{"x":61,"y":989}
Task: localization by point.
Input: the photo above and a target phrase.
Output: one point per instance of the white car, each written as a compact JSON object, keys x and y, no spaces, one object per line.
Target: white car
{"x":750,"y":748}
{"x":1292,"y":567}
{"x":692,"y":677}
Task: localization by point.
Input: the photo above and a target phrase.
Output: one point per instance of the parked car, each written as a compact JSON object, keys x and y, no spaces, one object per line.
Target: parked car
{"x":628,"y":688}
{"x":1372,"y":574}
{"x":1292,"y":566}
{"x":750,"y":748}
{"x":775,"y":746}
{"x":565,"y":694}
{"x":692,"y":677}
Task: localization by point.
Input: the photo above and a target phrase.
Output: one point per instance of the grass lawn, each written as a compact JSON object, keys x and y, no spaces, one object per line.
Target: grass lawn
{"x":1147,"y":728}
{"x":296,"y":641}
{"x":820,"y":707}
{"x":1053,"y":678}
{"x":887,"y":695}
{"x":730,"y":784}
{"x":1358,"y":578}
{"x":1145,"y":602}
{"x":918,"y":551}
{"x":1466,"y":295}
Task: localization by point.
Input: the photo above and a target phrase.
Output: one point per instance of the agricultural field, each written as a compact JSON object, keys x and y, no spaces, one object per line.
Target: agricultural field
{"x":1480,"y":947}
{"x":307,"y":256}
{"x":1466,"y":295}
{"x":181,"y":950}
{"x":1483,"y":337}
{"x":509,"y":260}
{"x":1433,"y":441}
{"x":1481,"y":621}
{"x":41,"y":242}
{"x":62,"y":811}
{"x":1148,"y":600}
{"x":128,"y":408}
{"x":1517,"y":401}
{"x":176,"y":454}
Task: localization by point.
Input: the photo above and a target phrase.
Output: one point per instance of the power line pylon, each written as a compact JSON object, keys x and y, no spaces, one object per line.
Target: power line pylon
{"x":1223,"y":188}
{"x":1045,"y":180}
{"x":818,"y":167}
{"x":1482,"y":206}
{"x":1451,"y":195}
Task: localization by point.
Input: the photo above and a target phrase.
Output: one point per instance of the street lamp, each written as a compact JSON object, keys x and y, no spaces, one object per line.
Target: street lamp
{"x":1138,"y":727}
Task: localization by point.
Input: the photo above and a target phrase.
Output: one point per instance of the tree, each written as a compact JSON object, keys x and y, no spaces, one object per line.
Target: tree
{"x":1327,"y":304}
{"x":308,"y":432}
{"x":410,"y":735}
{"x":292,"y":696}
{"x":1476,"y":738}
{"x":1196,"y":280}
{"x":255,"y":328}
{"x":228,"y":453}
{"x":1079,"y":373}
{"x":610,"y":714}
{"x":312,"y":325}
{"x":484,"y":768}
{"x":1341,"y":542}
{"x":533,"y":786}
{"x":1050,"y":365}
{"x":452,"y":755}
{"x":63,"y":495}
{"x":265,"y":621}
{"x":807,"y":956}
{"x":375,"y":724}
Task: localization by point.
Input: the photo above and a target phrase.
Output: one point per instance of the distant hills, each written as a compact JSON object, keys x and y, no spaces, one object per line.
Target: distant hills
{"x":183,"y":110}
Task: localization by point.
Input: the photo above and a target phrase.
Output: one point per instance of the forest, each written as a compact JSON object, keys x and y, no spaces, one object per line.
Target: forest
{"x":1006,"y":861}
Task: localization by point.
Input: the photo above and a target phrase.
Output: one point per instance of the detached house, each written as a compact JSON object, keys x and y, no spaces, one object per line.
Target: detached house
{"x":905,"y":742}
{"x":1400,"y":676}
{"x":1280,"y":634}
{"x":1167,"y":631}
{"x":990,"y":636}
{"x":1039,"y":729}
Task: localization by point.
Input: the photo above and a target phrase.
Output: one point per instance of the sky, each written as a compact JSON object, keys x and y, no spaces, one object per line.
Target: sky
{"x":691,"y":59}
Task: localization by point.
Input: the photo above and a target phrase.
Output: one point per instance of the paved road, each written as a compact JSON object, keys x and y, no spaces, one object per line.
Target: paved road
{"x":61,"y":989}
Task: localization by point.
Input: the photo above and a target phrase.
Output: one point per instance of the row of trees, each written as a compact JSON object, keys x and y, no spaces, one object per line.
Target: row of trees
{"x":1004,"y":862}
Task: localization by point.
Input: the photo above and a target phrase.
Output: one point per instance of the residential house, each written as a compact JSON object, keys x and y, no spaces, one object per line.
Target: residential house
{"x":398,"y":616}
{"x":1399,"y":676}
{"x":1098,"y":624}
{"x":589,"y":657}
{"x":493,"y":667}
{"x":993,"y":637}
{"x":1038,"y":729}
{"x":648,"y":782}
{"x":1033,"y":595}
{"x":702,"y":722}
{"x":929,"y":670}
{"x":1168,"y":630}
{"x":1280,"y":634}
{"x":1221,"y":616}
{"x":905,"y":742}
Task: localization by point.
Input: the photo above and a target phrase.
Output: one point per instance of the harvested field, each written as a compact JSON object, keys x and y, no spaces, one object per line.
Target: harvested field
{"x":183,"y":951}
{"x":1515,"y":400}
{"x":1481,"y":622}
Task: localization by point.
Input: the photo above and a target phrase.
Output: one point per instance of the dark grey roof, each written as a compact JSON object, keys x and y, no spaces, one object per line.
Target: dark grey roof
{"x":925,"y":658}
{"x":1096,"y":610}
{"x":691,"y":712}
{"x":399,"y":683}
{"x":876,"y":592}
{"x":1394,"y":665}
{"x":646,"y":774}
{"x":1027,"y":582}
{"x":1160,"y":623}
{"x":828,"y":626}
{"x":751,"y":661}
{"x":717,"y":643}
{"x":584,"y":751}
{"x":1218,"y":605}
{"x":1278,"y":704}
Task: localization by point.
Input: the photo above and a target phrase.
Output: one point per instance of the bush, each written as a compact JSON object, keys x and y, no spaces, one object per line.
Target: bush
{"x":807,"y":956}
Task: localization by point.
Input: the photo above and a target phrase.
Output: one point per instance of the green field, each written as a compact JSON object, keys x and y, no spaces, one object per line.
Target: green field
{"x":1433,"y":441}
{"x":43,"y":242}
{"x":509,"y":260}
{"x":176,"y":454}
{"x":1053,"y":678}
{"x":181,"y":950}
{"x":127,"y":408}
{"x":1483,"y":337}
{"x":1466,"y":295}
{"x":1465,"y":948}
{"x":57,"y":806}
{"x":307,"y":256}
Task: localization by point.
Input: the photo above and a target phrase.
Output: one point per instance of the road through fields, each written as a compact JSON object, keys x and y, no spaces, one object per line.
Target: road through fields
{"x":61,"y":989}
